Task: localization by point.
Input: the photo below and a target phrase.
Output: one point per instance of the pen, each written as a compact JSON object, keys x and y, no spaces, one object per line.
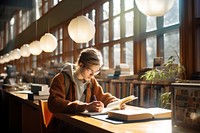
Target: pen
{"x":95,"y":99}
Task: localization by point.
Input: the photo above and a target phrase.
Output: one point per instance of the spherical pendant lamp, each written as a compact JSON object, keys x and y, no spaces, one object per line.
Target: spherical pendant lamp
{"x":81,"y":29}
{"x":24,"y":51}
{"x":34,"y":48}
{"x":10,"y":55}
{"x":1,"y":60}
{"x":16,"y":54}
{"x":6,"y":58}
{"x":154,"y":7}
{"x":48,"y":42}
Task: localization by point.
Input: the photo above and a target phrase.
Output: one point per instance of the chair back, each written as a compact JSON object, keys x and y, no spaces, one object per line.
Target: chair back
{"x":45,"y":114}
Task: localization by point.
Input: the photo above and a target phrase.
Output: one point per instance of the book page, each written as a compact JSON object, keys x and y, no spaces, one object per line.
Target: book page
{"x":119,"y":103}
{"x":159,"y":113}
{"x":111,"y":106}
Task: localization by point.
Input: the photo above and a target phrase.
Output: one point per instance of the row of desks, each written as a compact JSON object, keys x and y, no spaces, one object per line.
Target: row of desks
{"x":84,"y":122}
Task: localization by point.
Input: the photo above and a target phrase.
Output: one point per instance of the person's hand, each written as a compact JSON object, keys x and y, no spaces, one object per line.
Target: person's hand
{"x":78,"y":102}
{"x":123,"y":106}
{"x":95,"y":106}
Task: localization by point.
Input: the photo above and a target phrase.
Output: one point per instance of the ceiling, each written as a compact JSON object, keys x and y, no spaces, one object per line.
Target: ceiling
{"x":9,"y":7}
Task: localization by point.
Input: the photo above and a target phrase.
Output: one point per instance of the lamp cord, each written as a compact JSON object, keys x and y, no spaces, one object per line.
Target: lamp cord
{"x":36,"y":29}
{"x":82,"y":3}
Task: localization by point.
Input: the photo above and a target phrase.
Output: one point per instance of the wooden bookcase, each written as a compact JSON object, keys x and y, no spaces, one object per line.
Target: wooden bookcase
{"x":148,"y":93}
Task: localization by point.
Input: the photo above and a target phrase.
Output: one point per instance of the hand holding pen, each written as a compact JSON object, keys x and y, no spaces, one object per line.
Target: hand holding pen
{"x":95,"y":106}
{"x":94,"y":98}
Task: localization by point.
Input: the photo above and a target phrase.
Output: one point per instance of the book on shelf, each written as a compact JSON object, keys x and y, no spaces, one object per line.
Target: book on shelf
{"x":143,"y":114}
{"x":112,"y":106}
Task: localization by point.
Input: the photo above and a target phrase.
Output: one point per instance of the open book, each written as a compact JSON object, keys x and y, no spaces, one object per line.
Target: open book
{"x":144,"y":114}
{"x":112,"y":106}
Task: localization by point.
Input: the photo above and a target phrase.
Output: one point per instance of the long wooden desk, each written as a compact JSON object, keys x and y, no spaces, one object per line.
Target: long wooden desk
{"x":24,"y":117}
{"x":93,"y":125}
{"x":18,"y":114}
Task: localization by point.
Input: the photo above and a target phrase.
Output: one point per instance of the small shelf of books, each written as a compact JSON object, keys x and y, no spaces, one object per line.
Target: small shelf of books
{"x":186,"y":105}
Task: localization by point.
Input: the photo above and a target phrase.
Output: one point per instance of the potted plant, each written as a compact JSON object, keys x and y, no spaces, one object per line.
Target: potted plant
{"x":169,"y":72}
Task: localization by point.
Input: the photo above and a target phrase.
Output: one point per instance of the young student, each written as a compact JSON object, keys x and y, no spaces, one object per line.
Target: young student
{"x":75,"y":89}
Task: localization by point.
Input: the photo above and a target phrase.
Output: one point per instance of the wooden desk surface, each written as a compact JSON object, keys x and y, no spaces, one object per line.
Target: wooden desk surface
{"x":94,"y":125}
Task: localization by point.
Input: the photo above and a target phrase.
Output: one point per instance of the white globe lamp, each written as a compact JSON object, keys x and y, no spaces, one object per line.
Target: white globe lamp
{"x":48,"y":42}
{"x":6,"y":57}
{"x":1,"y":60}
{"x":34,"y":48}
{"x":24,"y":50}
{"x":10,"y":55}
{"x":154,"y":7}
{"x":16,"y":54}
{"x":81,"y":29}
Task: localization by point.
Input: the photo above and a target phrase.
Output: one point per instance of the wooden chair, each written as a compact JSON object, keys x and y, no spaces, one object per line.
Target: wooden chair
{"x":45,"y":115}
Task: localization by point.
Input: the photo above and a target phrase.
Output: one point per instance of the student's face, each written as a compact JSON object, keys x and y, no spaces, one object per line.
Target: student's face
{"x":89,"y":72}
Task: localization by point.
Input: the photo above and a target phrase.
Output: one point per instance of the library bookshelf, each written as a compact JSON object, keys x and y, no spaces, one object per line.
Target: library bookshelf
{"x":148,"y":93}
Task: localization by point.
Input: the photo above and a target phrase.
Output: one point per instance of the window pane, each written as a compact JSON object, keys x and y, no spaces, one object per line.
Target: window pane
{"x":28,"y":19}
{"x":105,"y":10}
{"x":61,"y":33}
{"x":128,"y":4}
{"x":56,"y":51}
{"x":105,"y":32}
{"x":12,"y":28}
{"x":61,"y":46}
{"x":20,"y":21}
{"x":151,"y":23}
{"x":116,"y":54}
{"x":171,"y":44}
{"x":54,"y":2}
{"x":38,"y":9}
{"x":45,"y":6}
{"x":150,"y":50}
{"x":129,"y":54}
{"x":172,"y":17}
{"x":93,"y":15}
{"x":39,"y":3}
{"x":116,"y":7}
{"x":129,"y":18}
{"x":116,"y":28}
{"x":106,"y":57}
